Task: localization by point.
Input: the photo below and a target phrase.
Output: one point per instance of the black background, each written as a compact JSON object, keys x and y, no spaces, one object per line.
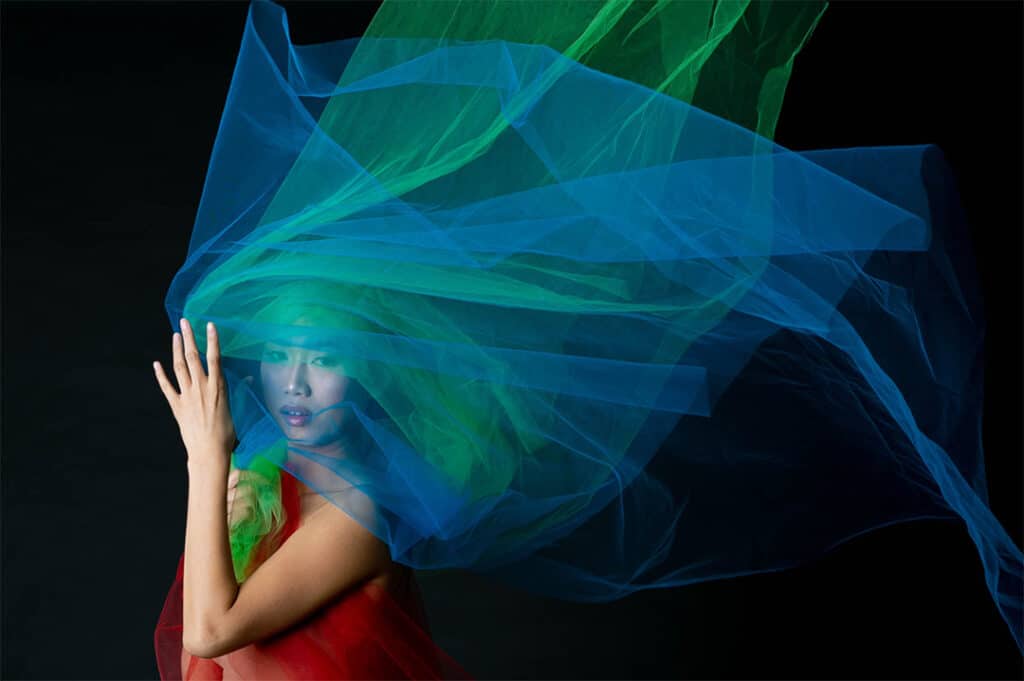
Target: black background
{"x":109,"y":116}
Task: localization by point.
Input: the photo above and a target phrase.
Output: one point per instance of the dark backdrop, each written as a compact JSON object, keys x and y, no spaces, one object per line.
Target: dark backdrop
{"x":109,"y":116}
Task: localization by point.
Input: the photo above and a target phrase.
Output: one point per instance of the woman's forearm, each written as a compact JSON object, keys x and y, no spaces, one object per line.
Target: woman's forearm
{"x":209,"y":580}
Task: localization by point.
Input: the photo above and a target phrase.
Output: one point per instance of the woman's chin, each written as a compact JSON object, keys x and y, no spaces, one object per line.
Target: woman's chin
{"x":308,"y":438}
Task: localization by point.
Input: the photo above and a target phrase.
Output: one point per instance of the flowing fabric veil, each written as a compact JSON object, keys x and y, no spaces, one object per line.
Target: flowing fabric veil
{"x":603,"y":334}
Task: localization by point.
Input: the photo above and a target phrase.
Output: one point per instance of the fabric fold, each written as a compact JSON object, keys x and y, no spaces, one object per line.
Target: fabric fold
{"x":561,"y":308}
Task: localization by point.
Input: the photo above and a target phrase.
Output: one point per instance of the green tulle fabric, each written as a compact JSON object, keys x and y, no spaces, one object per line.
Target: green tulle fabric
{"x":424,"y":143}
{"x":409,"y":326}
{"x":254,"y":536}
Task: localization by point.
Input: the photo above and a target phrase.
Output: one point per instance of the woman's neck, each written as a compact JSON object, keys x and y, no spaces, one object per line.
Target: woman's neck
{"x":322,"y":479}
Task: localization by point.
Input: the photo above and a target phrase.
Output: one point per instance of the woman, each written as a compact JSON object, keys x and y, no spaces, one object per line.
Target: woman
{"x":359,"y":611}
{"x":555,"y":244}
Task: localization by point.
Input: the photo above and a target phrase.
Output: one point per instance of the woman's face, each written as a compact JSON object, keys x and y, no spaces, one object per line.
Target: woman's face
{"x":303,"y":390}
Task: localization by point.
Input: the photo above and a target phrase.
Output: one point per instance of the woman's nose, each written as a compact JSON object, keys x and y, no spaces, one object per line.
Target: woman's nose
{"x":296,"y":383}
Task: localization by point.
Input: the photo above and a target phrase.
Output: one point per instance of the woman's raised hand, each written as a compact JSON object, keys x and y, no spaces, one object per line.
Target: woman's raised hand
{"x":201,"y":408}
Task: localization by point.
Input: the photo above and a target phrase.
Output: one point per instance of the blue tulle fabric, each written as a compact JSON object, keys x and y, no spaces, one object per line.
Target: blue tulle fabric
{"x":724,"y":361}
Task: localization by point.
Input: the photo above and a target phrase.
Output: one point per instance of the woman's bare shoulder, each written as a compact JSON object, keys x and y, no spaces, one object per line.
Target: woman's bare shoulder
{"x":329,"y":553}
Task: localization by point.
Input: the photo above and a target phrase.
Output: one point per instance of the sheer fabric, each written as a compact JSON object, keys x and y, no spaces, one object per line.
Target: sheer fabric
{"x":535,"y":279}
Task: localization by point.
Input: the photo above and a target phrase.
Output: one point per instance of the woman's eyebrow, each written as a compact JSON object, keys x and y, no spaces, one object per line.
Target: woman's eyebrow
{"x":288,"y":348}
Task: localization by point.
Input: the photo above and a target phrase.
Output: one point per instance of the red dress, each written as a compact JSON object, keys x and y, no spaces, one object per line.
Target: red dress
{"x":367,"y":633}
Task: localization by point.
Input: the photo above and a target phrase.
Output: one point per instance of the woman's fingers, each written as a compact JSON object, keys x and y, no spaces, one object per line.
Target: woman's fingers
{"x":180,"y":366}
{"x":195,"y":365}
{"x":241,"y":497}
{"x":213,"y":353}
{"x":232,"y":482}
{"x":166,"y":387}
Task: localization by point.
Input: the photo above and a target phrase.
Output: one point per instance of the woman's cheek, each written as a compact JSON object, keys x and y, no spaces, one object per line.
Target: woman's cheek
{"x":267,"y":377}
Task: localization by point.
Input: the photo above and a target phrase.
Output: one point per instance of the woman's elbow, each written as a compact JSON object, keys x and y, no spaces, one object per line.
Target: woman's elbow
{"x":204,"y":646}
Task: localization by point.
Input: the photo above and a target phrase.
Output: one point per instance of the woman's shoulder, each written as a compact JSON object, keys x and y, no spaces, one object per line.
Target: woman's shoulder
{"x":393,"y":577}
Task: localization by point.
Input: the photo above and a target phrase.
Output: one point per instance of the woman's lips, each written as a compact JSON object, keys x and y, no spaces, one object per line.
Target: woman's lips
{"x":296,"y":416}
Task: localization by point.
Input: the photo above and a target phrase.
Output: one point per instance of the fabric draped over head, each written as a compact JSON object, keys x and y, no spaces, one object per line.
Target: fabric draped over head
{"x":603,"y":334}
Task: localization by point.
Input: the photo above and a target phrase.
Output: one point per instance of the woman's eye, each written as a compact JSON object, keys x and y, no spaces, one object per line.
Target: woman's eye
{"x":327,"y":361}
{"x":273,"y":356}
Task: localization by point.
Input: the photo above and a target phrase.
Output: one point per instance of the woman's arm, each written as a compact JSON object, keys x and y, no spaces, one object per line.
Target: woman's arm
{"x":209,"y":586}
{"x":327,"y":555}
